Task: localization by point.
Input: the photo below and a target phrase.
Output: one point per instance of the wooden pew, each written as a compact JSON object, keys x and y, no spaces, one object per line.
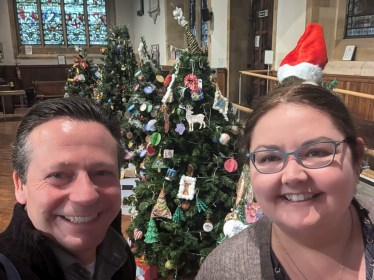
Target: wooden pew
{"x":49,"y":89}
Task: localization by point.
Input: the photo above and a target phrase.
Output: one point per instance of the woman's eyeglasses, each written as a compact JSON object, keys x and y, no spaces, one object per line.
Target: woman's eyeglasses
{"x":312,"y":156}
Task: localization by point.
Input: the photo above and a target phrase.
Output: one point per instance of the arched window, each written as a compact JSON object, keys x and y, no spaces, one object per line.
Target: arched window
{"x":360,"y":19}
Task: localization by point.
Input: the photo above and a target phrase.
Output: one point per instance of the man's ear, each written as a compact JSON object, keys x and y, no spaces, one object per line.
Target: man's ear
{"x":361,"y":152}
{"x":20,"y":189}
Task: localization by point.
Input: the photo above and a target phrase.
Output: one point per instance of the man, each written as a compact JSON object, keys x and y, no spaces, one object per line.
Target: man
{"x":66,"y":161}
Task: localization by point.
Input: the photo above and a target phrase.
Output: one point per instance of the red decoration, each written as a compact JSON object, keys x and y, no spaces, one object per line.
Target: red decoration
{"x":167,"y":80}
{"x":150,"y":150}
{"x":137,"y":234}
{"x":191,"y":81}
{"x":140,"y":78}
{"x":150,"y":270}
{"x":231,"y":165}
{"x":75,"y":79}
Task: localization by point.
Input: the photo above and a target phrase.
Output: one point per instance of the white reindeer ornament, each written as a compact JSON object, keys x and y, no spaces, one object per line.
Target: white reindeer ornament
{"x":193,"y":118}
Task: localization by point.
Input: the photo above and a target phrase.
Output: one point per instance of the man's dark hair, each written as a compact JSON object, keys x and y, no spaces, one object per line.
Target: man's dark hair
{"x":73,"y":108}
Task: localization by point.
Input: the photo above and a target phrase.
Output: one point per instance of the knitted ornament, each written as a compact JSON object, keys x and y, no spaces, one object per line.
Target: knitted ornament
{"x":167,"y":80}
{"x":191,"y":81}
{"x":308,"y":59}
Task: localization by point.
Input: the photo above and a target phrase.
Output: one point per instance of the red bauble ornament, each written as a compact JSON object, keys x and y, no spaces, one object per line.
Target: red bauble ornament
{"x":141,"y":117}
{"x":140,"y":78}
{"x":231,"y":165}
{"x":186,"y":205}
{"x":75,"y":79}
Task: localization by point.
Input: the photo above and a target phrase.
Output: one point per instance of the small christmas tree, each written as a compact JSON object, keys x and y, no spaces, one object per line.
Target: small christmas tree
{"x":83,"y":77}
{"x":117,"y":71}
{"x":151,"y":236}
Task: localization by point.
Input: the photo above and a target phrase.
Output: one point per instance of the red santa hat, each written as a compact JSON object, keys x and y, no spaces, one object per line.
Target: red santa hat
{"x":308,"y":59}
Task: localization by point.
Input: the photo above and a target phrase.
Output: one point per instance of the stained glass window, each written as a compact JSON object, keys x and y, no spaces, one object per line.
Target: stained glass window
{"x":75,"y":23}
{"x":360,"y":19}
{"x":204,"y":26}
{"x":193,"y":17}
{"x":62,"y":22}
{"x":28,"y":22}
{"x":52,"y":23}
{"x":97,"y":21}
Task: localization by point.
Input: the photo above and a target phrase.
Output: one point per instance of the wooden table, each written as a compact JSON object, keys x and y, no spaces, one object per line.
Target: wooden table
{"x":11,"y":93}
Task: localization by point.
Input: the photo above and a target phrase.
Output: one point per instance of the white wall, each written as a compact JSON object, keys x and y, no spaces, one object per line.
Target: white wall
{"x":153,"y":33}
{"x":125,"y":15}
{"x":5,"y":35}
{"x":290,"y":26}
{"x":218,"y":45}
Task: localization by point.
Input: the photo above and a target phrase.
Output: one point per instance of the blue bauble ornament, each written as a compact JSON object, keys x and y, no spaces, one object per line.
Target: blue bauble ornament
{"x":118,"y":48}
{"x":109,"y":100}
{"x":131,"y":107}
{"x":98,"y":102}
{"x":214,"y":140}
{"x":148,"y":90}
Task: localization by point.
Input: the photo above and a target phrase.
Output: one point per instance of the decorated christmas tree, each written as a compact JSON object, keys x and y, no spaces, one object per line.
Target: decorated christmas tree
{"x":195,"y":170}
{"x":119,"y":66}
{"x":141,"y":109}
{"x":83,"y":77}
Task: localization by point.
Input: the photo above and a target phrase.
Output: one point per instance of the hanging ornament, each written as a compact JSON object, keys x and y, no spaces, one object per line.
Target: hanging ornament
{"x":148,"y":139}
{"x":98,"y":74}
{"x":180,"y":128}
{"x":149,"y":108}
{"x":179,"y":111}
{"x":159,"y":163}
{"x":143,"y":107}
{"x":103,"y":50}
{"x":141,"y":79}
{"x":150,"y":150}
{"x":136,"y":87}
{"x":231,"y":165}
{"x":151,"y":125}
{"x":161,"y":209}
{"x":168,"y":97}
{"x":138,"y":73}
{"x":130,"y":144}
{"x":160,"y":92}
{"x":123,"y":68}
{"x":186,"y":205}
{"x":155,"y":138}
{"x":128,"y":155}
{"x":130,"y":107}
{"x":191,"y":119}
{"x":136,"y":113}
{"x":118,"y":48}
{"x":128,"y":115}
{"x":129,"y":135}
{"x":208,"y":226}
{"x":159,"y":78}
{"x":191,"y":81}
{"x":214,"y":140}
{"x":221,"y":103}
{"x":233,"y":227}
{"x":197,"y":94}
{"x":148,"y":90}
{"x":153,"y":113}
{"x":151,"y":236}
{"x":178,"y":215}
{"x":253,"y":212}
{"x":168,"y":153}
{"x":143,"y":153}
{"x":167,"y":80}
{"x":235,"y":130}
{"x":169,"y":265}
{"x":187,"y":187}
{"x":224,"y":138}
{"x":201,"y":206}
{"x":137,"y":234}
{"x":171,"y":174}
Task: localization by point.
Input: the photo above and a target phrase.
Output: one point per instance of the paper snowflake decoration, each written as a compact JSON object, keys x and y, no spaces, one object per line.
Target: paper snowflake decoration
{"x":221,"y":103}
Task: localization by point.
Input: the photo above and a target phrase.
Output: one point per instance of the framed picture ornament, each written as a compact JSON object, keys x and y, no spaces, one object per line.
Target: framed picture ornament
{"x":187,"y":187}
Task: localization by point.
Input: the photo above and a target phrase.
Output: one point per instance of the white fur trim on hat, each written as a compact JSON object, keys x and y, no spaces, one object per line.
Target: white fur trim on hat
{"x":306,"y":71}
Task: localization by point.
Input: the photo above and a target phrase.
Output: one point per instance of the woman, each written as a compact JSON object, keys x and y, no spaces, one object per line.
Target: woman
{"x":305,"y":163}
